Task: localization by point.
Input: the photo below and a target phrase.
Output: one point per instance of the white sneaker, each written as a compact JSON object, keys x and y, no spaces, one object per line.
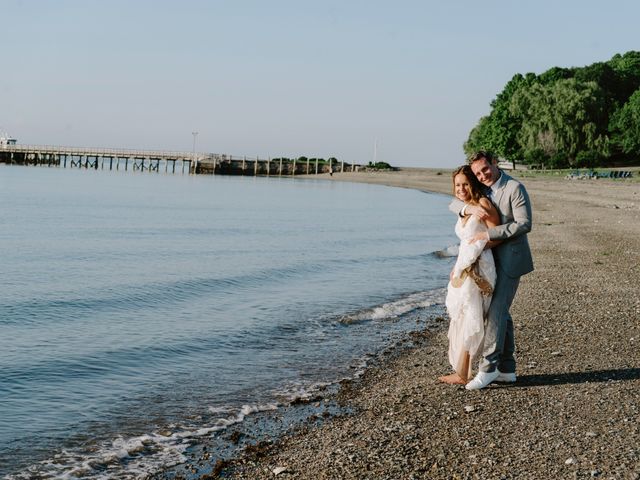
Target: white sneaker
{"x":506,"y":377}
{"x":482,"y":379}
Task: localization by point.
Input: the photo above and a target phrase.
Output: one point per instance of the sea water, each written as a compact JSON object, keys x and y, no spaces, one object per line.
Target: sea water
{"x":140,"y":312}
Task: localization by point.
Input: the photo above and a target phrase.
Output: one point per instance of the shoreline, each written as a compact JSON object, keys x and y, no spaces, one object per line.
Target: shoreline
{"x":575,"y":408}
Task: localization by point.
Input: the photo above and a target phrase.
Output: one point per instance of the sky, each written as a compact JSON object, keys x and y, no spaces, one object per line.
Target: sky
{"x":397,"y":81}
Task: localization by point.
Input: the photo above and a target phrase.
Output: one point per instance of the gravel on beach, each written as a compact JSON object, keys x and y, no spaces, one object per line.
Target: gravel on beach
{"x":574,"y":411}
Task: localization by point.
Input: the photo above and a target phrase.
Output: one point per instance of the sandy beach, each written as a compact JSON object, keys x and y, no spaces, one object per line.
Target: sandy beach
{"x":575,"y":409}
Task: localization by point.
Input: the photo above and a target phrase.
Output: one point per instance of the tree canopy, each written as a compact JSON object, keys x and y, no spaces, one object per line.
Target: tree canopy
{"x":579,"y":116}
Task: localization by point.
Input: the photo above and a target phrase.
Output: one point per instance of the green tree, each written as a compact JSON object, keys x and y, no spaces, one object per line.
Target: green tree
{"x":625,"y":126}
{"x":627,"y":69}
{"x":566,"y":116}
{"x":498,"y":132}
{"x":478,"y":137}
{"x":554,"y":74}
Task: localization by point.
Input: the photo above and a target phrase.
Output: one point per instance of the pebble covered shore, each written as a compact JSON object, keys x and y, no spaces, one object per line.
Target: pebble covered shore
{"x":574,"y":411}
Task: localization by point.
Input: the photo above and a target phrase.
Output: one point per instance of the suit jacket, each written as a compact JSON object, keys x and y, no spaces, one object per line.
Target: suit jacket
{"x":511,"y":199}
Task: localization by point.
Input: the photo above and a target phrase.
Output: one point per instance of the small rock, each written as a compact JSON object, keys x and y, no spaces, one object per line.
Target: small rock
{"x":555,"y":354}
{"x":278,"y":470}
{"x":570,"y":461}
{"x":469,"y":408}
{"x":591,"y":434}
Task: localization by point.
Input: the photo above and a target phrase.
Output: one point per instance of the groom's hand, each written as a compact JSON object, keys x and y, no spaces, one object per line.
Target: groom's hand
{"x":477,"y":210}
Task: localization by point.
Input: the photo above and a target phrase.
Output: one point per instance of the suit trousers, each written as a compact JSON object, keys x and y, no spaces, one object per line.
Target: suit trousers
{"x":499,"y":342}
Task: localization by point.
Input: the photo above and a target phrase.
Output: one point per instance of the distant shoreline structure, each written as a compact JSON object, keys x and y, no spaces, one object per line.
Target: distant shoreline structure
{"x":157,"y":161}
{"x":7,"y":140}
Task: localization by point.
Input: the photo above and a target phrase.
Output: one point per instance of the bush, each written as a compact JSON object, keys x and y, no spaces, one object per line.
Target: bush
{"x":559,"y":160}
{"x":588,"y":159}
{"x":380,"y":166}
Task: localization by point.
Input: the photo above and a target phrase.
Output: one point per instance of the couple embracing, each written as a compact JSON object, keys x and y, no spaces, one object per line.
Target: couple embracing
{"x":494,"y":217}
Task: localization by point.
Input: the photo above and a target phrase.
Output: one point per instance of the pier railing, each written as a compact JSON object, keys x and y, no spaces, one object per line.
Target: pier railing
{"x":96,"y":151}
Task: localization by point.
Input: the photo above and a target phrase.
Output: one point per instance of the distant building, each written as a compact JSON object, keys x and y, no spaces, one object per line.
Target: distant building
{"x":6,"y":139}
{"x":508,"y":165}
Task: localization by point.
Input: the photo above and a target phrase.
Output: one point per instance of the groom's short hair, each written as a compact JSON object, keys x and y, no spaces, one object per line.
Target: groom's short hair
{"x":480,"y":154}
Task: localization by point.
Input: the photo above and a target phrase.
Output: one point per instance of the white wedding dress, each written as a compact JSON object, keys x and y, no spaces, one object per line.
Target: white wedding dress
{"x":466,"y":303}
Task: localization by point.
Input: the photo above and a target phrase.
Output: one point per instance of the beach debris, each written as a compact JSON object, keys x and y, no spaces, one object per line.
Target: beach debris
{"x":469,"y":408}
{"x":278,"y":470}
{"x":570,"y":461}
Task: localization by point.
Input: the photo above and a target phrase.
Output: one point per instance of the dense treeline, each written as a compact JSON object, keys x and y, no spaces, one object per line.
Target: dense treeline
{"x":579,"y":117}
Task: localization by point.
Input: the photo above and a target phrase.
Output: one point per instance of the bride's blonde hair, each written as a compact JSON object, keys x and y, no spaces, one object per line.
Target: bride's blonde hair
{"x":474,"y":183}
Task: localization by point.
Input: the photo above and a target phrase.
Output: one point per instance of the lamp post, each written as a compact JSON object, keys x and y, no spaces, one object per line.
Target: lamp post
{"x":193,"y":160}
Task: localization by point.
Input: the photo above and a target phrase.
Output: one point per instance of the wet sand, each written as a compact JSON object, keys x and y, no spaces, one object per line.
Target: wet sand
{"x":574,"y":411}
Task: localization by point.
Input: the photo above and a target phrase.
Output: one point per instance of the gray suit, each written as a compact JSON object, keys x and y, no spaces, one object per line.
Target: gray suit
{"x":513,"y":259}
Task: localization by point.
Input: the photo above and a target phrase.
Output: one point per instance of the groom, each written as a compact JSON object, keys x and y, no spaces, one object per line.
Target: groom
{"x":513,"y":259}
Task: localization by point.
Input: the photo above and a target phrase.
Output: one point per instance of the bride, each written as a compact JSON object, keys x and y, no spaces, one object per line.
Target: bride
{"x":471,"y":281}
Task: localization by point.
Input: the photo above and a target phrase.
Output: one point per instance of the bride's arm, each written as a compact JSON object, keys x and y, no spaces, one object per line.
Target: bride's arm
{"x":493,"y":219}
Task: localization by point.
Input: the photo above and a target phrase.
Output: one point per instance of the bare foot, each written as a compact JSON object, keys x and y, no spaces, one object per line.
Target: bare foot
{"x":453,"y":379}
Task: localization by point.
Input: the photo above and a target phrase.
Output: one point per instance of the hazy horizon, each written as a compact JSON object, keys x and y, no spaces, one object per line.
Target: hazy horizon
{"x":285,"y":78}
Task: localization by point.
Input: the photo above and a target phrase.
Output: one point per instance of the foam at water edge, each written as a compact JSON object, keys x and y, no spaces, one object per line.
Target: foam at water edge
{"x":294,"y":392}
{"x":450,"y":251}
{"x":135,"y":457}
{"x":396,"y":308}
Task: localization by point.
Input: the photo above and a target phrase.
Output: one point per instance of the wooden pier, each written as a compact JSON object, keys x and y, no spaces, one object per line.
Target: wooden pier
{"x":163,"y":161}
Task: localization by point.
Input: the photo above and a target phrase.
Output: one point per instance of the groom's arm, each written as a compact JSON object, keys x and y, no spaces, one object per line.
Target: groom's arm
{"x":521,"y":223}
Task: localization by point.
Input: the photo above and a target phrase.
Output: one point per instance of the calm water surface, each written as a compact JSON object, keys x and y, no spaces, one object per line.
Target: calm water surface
{"x":139,"y":312}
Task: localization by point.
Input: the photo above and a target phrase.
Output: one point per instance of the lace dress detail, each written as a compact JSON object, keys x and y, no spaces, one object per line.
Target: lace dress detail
{"x":469,"y":294}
